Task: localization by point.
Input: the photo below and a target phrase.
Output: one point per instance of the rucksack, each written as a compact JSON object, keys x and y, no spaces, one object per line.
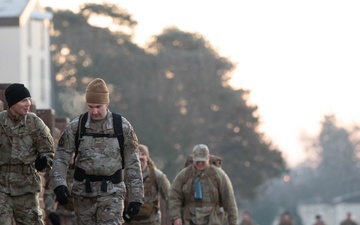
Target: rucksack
{"x":214,"y":160}
{"x":118,"y":133}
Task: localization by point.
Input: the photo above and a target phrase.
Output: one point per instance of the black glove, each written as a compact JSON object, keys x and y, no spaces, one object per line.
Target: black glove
{"x":40,"y":163}
{"x":54,"y":218}
{"x":126,"y":216}
{"x":62,"y":194}
{"x":133,"y":208}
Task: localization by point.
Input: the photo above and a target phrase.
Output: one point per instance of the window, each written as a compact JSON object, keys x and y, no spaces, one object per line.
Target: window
{"x":42,"y":80}
{"x":29,"y":33}
{"x":29,"y":71}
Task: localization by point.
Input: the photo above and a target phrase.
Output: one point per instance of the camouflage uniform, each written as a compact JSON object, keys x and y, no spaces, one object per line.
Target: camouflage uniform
{"x":348,"y":222}
{"x":23,"y":140}
{"x":217,"y":197}
{"x":99,"y":156}
{"x":152,"y":195}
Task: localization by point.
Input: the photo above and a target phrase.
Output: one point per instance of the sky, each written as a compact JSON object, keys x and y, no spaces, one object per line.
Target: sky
{"x":300,"y":59}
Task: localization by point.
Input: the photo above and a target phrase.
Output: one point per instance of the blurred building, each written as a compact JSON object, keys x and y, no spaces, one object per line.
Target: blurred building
{"x":25,"y":48}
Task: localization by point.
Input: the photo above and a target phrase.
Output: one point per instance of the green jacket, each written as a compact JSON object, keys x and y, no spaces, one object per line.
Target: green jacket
{"x":21,"y":142}
{"x":217,"y":197}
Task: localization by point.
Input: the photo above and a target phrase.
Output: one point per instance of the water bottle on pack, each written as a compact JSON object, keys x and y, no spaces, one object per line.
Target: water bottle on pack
{"x":198,"y":191}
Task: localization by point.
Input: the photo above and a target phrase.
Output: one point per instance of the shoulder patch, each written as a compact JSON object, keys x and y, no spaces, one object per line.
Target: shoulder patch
{"x":61,"y":142}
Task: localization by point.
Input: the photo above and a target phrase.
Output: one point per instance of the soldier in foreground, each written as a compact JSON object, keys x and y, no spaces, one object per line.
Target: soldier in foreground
{"x":202,"y":194}
{"x":27,"y":147}
{"x":102,"y":151}
{"x":156,"y":185}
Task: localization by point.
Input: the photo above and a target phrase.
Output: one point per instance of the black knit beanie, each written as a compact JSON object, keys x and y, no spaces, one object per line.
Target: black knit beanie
{"x":15,"y":93}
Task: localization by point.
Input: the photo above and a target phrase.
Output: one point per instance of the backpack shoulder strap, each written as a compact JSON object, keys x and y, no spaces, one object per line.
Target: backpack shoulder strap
{"x":153,"y":178}
{"x":79,"y":132}
{"x":118,"y":130}
{"x":214,"y":179}
{"x":154,"y":183}
{"x":188,"y":176}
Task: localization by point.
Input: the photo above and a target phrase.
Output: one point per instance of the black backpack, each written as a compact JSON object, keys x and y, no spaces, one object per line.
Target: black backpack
{"x":118,"y":133}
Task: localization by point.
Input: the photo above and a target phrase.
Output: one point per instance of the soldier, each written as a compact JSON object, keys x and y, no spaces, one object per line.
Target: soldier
{"x":101,"y":153}
{"x":156,"y":185}
{"x":286,"y":219}
{"x":27,"y":147}
{"x":202,"y":193}
{"x":348,"y":220}
{"x":246,"y":219}
{"x":318,"y":220}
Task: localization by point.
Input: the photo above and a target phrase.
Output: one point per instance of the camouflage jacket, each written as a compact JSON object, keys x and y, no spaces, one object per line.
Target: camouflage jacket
{"x":217,"y":197}
{"x":21,"y":143}
{"x":100,"y":156}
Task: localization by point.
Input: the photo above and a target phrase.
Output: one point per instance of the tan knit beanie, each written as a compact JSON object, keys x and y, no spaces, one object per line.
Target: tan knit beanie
{"x":97,"y":92}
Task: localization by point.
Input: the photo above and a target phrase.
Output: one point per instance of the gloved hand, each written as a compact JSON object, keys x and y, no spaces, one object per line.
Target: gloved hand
{"x":62,"y":194}
{"x":133,"y":208}
{"x":40,"y":163}
{"x":126,"y":216}
{"x":54,"y":218}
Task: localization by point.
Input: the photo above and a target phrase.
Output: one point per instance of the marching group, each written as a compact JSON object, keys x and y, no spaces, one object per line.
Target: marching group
{"x":99,"y":173}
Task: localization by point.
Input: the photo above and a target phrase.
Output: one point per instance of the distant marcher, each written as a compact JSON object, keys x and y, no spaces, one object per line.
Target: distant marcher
{"x":156,"y":186}
{"x":348,"y":220}
{"x":246,"y":219}
{"x":286,"y":219}
{"x":202,"y":193}
{"x":27,"y":148}
{"x":318,"y":220}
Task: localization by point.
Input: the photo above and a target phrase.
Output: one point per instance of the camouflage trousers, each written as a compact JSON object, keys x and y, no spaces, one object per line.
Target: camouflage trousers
{"x":23,"y":209}
{"x":101,"y":210}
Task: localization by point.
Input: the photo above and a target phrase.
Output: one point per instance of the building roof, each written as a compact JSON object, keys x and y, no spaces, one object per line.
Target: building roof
{"x":12,"y":8}
{"x":17,"y":12}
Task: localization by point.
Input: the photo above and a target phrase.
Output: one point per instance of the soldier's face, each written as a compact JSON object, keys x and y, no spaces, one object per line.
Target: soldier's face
{"x":22,"y":107}
{"x":143,"y":160}
{"x":246,"y":217}
{"x":97,"y":111}
{"x":201,"y":165}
